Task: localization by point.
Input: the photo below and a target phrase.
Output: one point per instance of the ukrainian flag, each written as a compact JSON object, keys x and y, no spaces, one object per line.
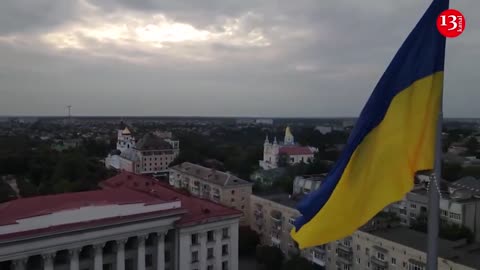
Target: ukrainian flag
{"x":393,"y":138}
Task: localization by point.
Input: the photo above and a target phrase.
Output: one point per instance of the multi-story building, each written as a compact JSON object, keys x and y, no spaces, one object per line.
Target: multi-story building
{"x":375,"y":246}
{"x":294,"y":153}
{"x":459,"y":205}
{"x":152,"y":154}
{"x":134,"y":222}
{"x":214,"y":185}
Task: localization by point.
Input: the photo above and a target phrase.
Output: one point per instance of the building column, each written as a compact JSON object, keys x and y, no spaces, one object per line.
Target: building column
{"x":98,"y":259}
{"x":217,"y":251}
{"x":20,"y":264}
{"x":160,"y":251}
{"x":74,"y":262}
{"x":48,"y":261}
{"x":141,"y":252}
{"x":202,"y":238}
{"x":121,"y":254}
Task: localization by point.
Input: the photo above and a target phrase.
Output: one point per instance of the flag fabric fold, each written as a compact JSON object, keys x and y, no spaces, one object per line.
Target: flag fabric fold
{"x":394,"y":137}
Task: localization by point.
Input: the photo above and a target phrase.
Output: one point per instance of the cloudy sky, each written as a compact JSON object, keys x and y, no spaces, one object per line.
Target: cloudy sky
{"x":215,"y":57}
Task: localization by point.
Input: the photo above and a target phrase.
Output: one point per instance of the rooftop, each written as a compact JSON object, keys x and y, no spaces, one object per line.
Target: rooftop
{"x":210,"y":175}
{"x":295,"y":150}
{"x":281,"y":198}
{"x":151,"y":141}
{"x":454,"y":251}
{"x":54,"y":213}
{"x":198,"y":210}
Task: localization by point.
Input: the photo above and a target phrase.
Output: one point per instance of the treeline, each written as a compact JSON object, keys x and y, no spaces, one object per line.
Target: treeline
{"x":39,"y":170}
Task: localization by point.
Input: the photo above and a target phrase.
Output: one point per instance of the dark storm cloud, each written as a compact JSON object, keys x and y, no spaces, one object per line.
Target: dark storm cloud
{"x":284,"y":58}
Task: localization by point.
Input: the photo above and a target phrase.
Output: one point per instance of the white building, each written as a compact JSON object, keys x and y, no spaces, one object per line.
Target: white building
{"x":294,"y":152}
{"x":151,"y":154}
{"x":134,"y":222}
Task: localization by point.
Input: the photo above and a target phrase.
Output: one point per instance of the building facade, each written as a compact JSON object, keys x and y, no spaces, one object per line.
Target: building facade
{"x":152,"y":154}
{"x":214,"y":185}
{"x":293,"y":152}
{"x":134,"y":222}
{"x":373,"y":247}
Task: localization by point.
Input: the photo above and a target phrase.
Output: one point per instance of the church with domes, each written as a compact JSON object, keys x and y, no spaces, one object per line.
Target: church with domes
{"x":295,"y":153}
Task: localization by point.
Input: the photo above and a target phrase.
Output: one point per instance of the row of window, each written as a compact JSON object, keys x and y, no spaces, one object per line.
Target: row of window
{"x":210,"y":267}
{"x":210,"y":236}
{"x":209,"y":253}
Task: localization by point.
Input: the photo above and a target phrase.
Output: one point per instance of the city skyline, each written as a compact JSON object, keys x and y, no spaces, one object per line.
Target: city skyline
{"x":215,"y":58}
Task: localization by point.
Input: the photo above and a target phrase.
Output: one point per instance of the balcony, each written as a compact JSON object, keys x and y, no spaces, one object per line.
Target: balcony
{"x":258,"y":213}
{"x":276,"y":217}
{"x":275,"y":239}
{"x":378,"y":264}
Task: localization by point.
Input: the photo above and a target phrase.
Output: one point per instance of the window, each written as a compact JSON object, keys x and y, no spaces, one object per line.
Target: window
{"x":291,"y":220}
{"x":358,"y":247}
{"x":358,"y":260}
{"x":368,"y":264}
{"x":210,"y":236}
{"x":380,"y":256}
{"x":148,"y":260}
{"x":444,"y":213}
{"x":412,"y":215}
{"x":225,"y":265}
{"x":210,"y":267}
{"x":415,"y":266}
{"x":455,"y":216}
{"x":243,"y":199}
{"x":167,"y":256}
{"x":194,"y":256}
{"x":233,"y":192}
{"x":243,"y":207}
{"x":225,"y":233}
{"x":232,"y":200}
{"x":367,"y":251}
{"x":194,"y":239}
{"x":209,"y":253}
{"x":224,"y":250}
{"x":346,"y":243}
{"x":404,"y":264}
{"x":413,"y":206}
{"x":394,"y":261}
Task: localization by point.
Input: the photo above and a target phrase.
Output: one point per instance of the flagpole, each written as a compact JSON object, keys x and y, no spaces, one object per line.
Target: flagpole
{"x":434,"y":196}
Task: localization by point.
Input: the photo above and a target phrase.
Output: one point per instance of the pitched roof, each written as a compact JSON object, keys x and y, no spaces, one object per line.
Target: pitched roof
{"x":210,"y":175}
{"x":63,"y":212}
{"x":198,"y":210}
{"x":152,"y":142}
{"x":295,"y":150}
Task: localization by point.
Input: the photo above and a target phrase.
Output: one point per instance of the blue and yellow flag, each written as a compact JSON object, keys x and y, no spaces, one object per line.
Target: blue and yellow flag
{"x":393,"y":138}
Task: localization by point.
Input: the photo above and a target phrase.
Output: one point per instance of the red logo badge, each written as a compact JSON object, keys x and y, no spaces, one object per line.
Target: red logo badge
{"x":451,"y":23}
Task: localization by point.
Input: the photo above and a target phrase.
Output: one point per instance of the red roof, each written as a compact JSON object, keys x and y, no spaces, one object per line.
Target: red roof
{"x":295,"y":150}
{"x":23,"y":208}
{"x":44,"y":205}
{"x":198,"y":210}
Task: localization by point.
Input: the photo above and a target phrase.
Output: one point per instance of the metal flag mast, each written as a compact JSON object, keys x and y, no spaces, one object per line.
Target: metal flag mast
{"x":434,"y":196}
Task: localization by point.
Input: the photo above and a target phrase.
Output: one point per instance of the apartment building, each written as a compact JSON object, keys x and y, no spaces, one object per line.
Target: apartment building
{"x":459,"y":204}
{"x":378,"y":245}
{"x":221,"y":187}
{"x":272,"y":217}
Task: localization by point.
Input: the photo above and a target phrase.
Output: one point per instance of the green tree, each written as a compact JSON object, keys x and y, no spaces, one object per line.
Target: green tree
{"x":271,"y":258}
{"x":451,"y":171}
{"x":248,"y":241}
{"x":283,"y":160}
{"x":6,"y":192}
{"x":297,"y":263}
{"x":472,"y":146}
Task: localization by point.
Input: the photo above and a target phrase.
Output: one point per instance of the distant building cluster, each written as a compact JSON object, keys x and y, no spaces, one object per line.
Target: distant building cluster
{"x":152,"y":154}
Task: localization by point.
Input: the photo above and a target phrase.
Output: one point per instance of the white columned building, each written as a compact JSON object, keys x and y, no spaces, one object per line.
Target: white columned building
{"x":134,"y":222}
